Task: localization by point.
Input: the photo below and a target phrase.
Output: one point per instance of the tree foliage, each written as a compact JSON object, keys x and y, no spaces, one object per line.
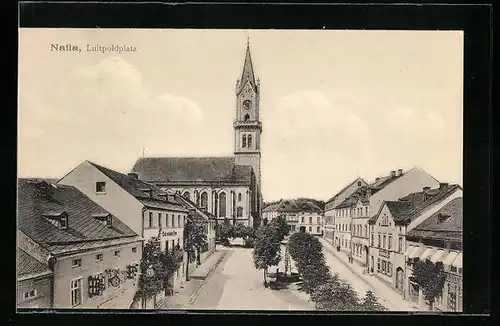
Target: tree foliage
{"x":281,"y":226}
{"x":335,"y":295}
{"x":226,"y":231}
{"x":157,"y":268}
{"x":195,"y":236}
{"x":430,"y":277}
{"x":370,"y":303}
{"x":267,"y":249}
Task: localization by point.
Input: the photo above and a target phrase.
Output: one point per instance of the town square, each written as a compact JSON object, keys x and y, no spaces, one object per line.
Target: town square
{"x":249,"y":170}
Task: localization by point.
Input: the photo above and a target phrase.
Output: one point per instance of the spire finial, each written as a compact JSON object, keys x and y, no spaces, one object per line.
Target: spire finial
{"x":248,"y":41}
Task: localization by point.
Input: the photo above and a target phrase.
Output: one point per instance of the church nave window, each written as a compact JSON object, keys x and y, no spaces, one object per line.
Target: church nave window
{"x":239,"y":197}
{"x":249,"y":141}
{"x":222,"y":205}
{"x":239,"y":211}
{"x":204,"y":200}
{"x":244,"y":143}
{"x":247,"y":117}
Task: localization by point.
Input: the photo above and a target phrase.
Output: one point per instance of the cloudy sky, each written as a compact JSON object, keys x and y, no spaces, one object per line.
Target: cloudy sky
{"x":334,"y":105}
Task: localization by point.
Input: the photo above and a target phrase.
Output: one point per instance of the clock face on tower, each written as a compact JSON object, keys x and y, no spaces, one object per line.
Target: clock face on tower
{"x":247,"y":104}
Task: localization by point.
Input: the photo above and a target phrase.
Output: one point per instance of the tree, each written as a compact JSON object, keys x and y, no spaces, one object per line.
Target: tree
{"x":157,"y":268}
{"x":314,"y":275}
{"x":335,"y":295}
{"x":305,"y":250}
{"x":267,"y":250}
{"x":430,"y":277}
{"x":194,"y":238}
{"x":370,"y":303}
{"x":281,"y":226}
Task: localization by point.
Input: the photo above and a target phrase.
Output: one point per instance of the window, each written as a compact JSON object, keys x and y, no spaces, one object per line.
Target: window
{"x":204,"y":200}
{"x":100,"y":187}
{"x":389,"y":269}
{"x":244,"y":143}
{"x":239,"y":211}
{"x":383,"y":266}
{"x":359,"y":183}
{"x":134,"y":250}
{"x":222,"y":205}
{"x":302,"y":219}
{"x":29,"y":294}
{"x":179,"y":221}
{"x":167,"y":221}
{"x":187,"y":195}
{"x":117,"y":253}
{"x":159,"y":220}
{"x":310,"y":219}
{"x":76,"y":262}
{"x":400,"y":244}
{"x":166,"y":245}
{"x":310,"y":229}
{"x":452,"y":297}
{"x":249,"y":141}
{"x":76,"y":292}
{"x":389,"y":244}
{"x":378,"y":264}
{"x":373,"y":240}
{"x":383,"y":242}
{"x":247,"y":117}
{"x":317,"y":229}
{"x":173,"y":244}
{"x":239,"y":197}
{"x":150,"y":220}
{"x":319,"y":220}
{"x":63,"y":222}
{"x":379,"y":242}
{"x":98,"y":257}
{"x":366,"y":231}
{"x":366,"y":211}
{"x":173,"y":221}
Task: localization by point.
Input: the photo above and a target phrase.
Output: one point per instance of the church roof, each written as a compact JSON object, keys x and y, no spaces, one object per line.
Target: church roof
{"x":192,"y":169}
{"x":247,"y":73}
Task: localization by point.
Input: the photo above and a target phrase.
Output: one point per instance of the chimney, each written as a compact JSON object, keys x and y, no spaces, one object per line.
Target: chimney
{"x":393,"y":174}
{"x":443,"y":185}
{"x":134,"y":175}
{"x":426,"y":188}
{"x":377,"y":178}
{"x":400,"y":172}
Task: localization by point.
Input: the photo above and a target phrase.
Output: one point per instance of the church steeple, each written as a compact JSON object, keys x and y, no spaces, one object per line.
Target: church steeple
{"x":247,"y":75}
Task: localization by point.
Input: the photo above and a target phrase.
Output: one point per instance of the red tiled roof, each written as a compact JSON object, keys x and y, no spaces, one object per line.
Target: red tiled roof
{"x":36,"y":199}
{"x":410,"y":206}
{"x":446,"y":223}
{"x":345,"y":188}
{"x":193,"y":169}
{"x":139,"y":189}
{"x":27,"y":265}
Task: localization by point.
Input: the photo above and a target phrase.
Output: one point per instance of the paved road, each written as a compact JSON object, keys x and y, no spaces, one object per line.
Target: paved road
{"x":237,"y":285}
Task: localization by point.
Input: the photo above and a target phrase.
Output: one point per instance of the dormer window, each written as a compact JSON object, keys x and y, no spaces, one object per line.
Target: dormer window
{"x":442,"y":217}
{"x":59,"y":219}
{"x":104,"y":218}
{"x":100,"y":187}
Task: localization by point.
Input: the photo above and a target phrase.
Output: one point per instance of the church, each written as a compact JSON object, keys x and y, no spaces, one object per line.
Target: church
{"x":227,"y":187}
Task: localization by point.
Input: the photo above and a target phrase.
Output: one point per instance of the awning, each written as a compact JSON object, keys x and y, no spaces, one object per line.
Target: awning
{"x":437,"y":256}
{"x":458,"y":261}
{"x":415,"y":252}
{"x":450,"y":258}
{"x":408,"y":250}
{"x":427,"y":253}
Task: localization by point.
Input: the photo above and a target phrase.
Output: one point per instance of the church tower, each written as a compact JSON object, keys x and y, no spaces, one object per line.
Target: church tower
{"x":247,"y":127}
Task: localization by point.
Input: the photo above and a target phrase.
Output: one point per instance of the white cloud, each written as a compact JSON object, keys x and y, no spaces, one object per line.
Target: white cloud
{"x":99,"y":110}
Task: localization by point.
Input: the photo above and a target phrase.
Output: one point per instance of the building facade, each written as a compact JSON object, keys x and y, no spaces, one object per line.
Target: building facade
{"x":439,"y":239}
{"x":228,"y":187}
{"x":92,"y":257}
{"x":330,"y":213}
{"x":145,"y":208}
{"x":301,"y":215}
{"x":389,"y":227}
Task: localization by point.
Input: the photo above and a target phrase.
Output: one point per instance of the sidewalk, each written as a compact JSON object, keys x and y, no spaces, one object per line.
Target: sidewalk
{"x":190,"y":288}
{"x":381,"y":290}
